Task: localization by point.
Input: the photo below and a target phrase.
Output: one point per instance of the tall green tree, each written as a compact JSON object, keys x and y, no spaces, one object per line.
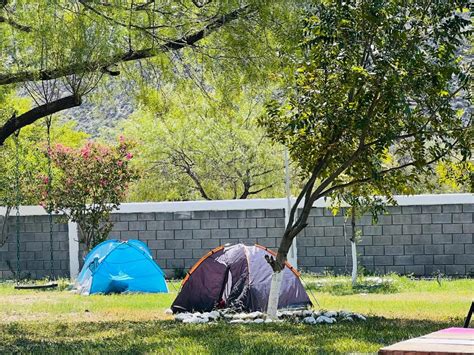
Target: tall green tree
{"x":202,"y":145}
{"x":372,"y":103}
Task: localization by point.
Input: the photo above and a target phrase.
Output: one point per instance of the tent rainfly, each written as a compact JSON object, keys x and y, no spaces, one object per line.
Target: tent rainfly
{"x":116,"y":266}
{"x":239,"y":277}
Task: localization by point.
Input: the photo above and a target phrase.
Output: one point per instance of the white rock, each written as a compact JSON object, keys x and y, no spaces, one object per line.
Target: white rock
{"x":195,"y":320}
{"x":309,"y":320}
{"x":268,"y":320}
{"x":330,"y":314}
{"x":182,"y":316}
{"x":239,"y":316}
{"x":258,"y":320}
{"x":349,"y":318}
{"x":324,"y":319}
{"x":168,"y":311}
{"x":228,"y":316}
{"x":214,"y":315}
{"x":307,"y":313}
{"x":234,"y":321}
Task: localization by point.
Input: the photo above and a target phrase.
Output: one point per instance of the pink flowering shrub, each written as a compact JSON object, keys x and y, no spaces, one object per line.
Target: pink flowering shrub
{"x":88,"y":184}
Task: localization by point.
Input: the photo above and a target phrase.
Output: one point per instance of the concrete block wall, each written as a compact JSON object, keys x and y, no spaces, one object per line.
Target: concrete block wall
{"x":422,"y":236}
{"x":35,"y":250}
{"x":177,"y":240}
{"x":420,"y":240}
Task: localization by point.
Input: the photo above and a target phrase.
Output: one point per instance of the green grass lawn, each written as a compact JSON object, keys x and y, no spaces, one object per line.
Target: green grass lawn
{"x":61,"y":322}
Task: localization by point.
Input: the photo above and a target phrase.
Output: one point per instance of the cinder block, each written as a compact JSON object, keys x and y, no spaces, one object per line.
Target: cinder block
{"x":443,"y":259}
{"x":462,"y":218}
{"x":255,"y":213}
{"x":238,"y":233}
{"x":182,"y":215}
{"x":247,"y":223}
{"x":183,"y":234}
{"x":421,"y":218}
{"x":325,"y":261}
{"x":383,"y":260}
{"x":278,"y":232}
{"x":128,"y":216}
{"x":434,"y":249}
{"x":164,"y":235}
{"x":315,"y":251}
{"x":323,"y":221}
{"x":412,"y":229}
{"x":469,"y":248}
{"x":163,"y":216}
{"x":155,"y":225}
{"x":452,"y":228}
{"x":401,"y":239}
{"x":401,"y":219}
{"x":146,"y":235}
{"x":431,"y":209}
{"x":201,"y":233}
{"x":34,"y":246}
{"x":373,"y":250}
{"x":156,"y":244}
{"x":434,"y":269}
{"x":164,"y":254}
{"x":464,"y":259}
{"x":173,"y":244}
{"x":334,"y":251}
{"x":442,"y":218}
{"x":452,"y":208}
{"x":455,"y":270}
{"x":209,"y":223}
{"x":421,"y":239}
{"x":324,"y":241}
{"x":442,"y":238}
{"x":200,"y":215}
{"x":210,"y":243}
{"x":385,"y":220}
{"x":366,"y":240}
{"x":392,"y":230}
{"x":431,"y":229}
{"x":454,"y":248}
{"x":462,"y":238}
{"x":125,"y":235}
{"x":403,"y":260}
{"x":341,"y":241}
{"x":280,"y":223}
{"x":394,"y":250}
{"x":423,"y":259}
{"x":257,"y":232}
{"x":314,"y":231}
{"x":316,"y":212}
{"x":279,"y":213}
{"x":137,"y":226}
{"x":365,"y":220}
{"x":414,"y":249}
{"x":236,"y":214}
{"x":145,"y":216}
{"x":468,"y":228}
{"x":218,"y":214}
{"x":382,"y":240}
{"x":192,"y":244}
{"x":302,"y":242}
{"x":306,"y":262}
{"x":192,"y":224}
{"x":411,"y":209}
{"x":172,"y":225}
{"x":266,"y":222}
{"x":227,"y":223}
{"x":366,"y":260}
{"x":219,"y":233}
{"x":183,"y":253}
{"x":334,"y":231}
{"x":394,"y":210}
{"x":120,"y":226}
{"x":468,"y":207}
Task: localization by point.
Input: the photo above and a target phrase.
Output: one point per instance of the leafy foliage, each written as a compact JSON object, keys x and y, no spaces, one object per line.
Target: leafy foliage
{"x":90,"y":183}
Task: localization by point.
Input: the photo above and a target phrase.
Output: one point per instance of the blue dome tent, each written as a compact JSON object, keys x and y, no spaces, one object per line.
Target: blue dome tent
{"x":116,"y":266}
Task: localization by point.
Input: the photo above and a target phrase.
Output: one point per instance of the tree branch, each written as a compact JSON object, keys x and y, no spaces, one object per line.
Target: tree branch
{"x":83,"y":67}
{"x":14,"y":24}
{"x":15,"y":123}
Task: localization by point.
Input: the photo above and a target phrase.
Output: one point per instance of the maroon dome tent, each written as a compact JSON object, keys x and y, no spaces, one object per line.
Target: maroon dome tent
{"x":239,"y":277}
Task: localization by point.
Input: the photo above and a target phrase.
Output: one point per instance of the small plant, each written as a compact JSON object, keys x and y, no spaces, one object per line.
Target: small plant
{"x":88,"y":184}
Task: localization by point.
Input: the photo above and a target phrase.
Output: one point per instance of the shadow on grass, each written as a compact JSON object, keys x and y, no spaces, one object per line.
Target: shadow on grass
{"x":171,"y":337}
{"x":344,"y":288}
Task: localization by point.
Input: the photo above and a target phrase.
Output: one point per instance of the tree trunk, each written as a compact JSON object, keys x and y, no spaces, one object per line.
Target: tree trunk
{"x":353,"y":246}
{"x":274,"y":295}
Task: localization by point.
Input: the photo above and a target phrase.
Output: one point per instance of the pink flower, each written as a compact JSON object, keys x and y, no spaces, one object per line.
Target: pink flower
{"x":129,"y":156}
{"x":122,"y":139}
{"x":120,"y":163}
